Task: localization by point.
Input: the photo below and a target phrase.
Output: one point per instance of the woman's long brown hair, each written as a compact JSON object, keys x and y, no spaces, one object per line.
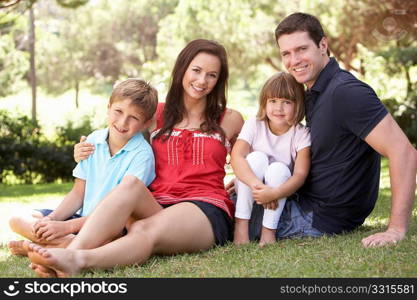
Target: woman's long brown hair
{"x":174,"y":109}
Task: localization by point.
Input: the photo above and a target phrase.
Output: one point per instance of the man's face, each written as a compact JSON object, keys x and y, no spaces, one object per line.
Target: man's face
{"x":301,"y":56}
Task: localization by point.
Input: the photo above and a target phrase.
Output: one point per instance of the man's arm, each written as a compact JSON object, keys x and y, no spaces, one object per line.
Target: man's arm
{"x":389,"y":140}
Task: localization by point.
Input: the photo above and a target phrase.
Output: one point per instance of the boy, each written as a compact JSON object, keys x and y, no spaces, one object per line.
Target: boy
{"x":120,"y":150}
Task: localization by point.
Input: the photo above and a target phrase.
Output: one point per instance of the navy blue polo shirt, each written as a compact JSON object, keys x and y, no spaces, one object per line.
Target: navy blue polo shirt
{"x":342,"y":186}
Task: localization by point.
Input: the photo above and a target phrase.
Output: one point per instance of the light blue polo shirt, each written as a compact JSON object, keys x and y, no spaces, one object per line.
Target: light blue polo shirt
{"x":103,"y":172}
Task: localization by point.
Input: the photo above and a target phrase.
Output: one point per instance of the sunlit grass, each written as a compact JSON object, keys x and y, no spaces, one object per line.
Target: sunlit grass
{"x":330,"y":256}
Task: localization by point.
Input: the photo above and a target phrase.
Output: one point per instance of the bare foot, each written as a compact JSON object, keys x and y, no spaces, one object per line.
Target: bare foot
{"x":241,"y":232}
{"x":65,"y":262}
{"x":21,"y":247}
{"x":18,"y":247}
{"x":267,"y":237}
{"x":42,"y":271}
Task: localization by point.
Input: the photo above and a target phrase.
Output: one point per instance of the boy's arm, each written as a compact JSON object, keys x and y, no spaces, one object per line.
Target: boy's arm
{"x":389,"y":140}
{"x":264,"y":194}
{"x":53,"y":226}
{"x":71,"y":203}
{"x":240,"y":165}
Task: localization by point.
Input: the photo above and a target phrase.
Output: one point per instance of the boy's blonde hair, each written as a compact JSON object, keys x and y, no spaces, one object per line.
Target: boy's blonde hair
{"x":282,"y":85}
{"x":140,"y":92}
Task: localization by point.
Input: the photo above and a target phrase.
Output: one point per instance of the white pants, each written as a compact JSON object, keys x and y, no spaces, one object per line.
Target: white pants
{"x":272,"y":175}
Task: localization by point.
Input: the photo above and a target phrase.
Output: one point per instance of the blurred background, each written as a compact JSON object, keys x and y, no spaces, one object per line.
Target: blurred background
{"x":60,"y":58}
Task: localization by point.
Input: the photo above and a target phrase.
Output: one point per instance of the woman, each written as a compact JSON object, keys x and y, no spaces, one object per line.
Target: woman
{"x":187,"y":208}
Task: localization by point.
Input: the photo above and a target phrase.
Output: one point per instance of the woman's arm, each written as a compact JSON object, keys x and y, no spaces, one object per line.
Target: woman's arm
{"x":82,"y":150}
{"x":232,"y":124}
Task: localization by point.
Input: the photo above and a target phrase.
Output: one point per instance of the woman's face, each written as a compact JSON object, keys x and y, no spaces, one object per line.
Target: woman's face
{"x":201,"y":76}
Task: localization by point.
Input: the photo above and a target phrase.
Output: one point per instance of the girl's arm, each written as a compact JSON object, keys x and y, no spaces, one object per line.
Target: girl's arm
{"x":264,"y":194}
{"x":240,"y":165}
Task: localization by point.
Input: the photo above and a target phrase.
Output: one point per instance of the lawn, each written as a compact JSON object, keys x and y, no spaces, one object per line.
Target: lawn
{"x":335,"y":257}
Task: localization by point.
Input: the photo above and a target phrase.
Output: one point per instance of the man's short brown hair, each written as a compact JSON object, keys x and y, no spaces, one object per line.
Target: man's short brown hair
{"x":301,"y":22}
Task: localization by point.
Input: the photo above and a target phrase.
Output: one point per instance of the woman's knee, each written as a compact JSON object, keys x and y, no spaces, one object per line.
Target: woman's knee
{"x":277,"y":173}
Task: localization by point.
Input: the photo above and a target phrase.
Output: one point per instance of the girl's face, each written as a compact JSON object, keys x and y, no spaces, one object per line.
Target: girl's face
{"x":201,"y":76}
{"x":280,"y":112}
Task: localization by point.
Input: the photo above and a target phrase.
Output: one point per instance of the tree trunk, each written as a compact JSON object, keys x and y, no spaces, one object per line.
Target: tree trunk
{"x":408,"y":79}
{"x":77,"y":91}
{"x":32,"y":73}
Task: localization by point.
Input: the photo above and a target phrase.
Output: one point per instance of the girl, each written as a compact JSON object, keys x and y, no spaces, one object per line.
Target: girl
{"x":271,"y":158}
{"x":186,"y":209}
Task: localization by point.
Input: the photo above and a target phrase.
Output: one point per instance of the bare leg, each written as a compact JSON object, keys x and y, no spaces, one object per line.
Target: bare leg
{"x":241,"y":233}
{"x":267,"y":236}
{"x":167,"y":232}
{"x":130,"y":198}
{"x":23,"y":225}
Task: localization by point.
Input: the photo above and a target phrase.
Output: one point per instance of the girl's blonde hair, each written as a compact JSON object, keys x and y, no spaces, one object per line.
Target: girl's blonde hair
{"x":282,"y":85}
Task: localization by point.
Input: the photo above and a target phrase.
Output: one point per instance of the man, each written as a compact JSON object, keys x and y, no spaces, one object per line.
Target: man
{"x":350,"y":129}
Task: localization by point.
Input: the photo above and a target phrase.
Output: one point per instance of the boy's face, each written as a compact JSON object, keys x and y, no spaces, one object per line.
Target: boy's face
{"x":125,"y":120}
{"x":301,"y":56}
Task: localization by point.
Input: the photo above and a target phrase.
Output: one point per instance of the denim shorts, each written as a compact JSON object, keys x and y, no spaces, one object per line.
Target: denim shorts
{"x":45,"y":212}
{"x":294,"y":222}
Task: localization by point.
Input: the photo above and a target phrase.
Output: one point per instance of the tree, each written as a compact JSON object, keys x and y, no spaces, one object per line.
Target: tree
{"x":100,"y":46}
{"x":32,"y":72}
{"x":13,"y":60}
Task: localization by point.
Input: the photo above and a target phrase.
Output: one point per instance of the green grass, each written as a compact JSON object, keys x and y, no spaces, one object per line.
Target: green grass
{"x":336,"y":256}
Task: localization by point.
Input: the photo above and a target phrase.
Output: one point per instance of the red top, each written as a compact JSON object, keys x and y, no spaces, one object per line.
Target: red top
{"x":190,"y":166}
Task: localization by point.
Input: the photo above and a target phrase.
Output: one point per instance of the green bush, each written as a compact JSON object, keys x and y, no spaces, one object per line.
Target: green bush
{"x":70,"y":134}
{"x":30,"y":156}
{"x":405,"y":114}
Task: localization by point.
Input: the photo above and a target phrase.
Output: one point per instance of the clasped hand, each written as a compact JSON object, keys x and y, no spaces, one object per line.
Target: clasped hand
{"x":48,"y":230}
{"x":265,"y":196}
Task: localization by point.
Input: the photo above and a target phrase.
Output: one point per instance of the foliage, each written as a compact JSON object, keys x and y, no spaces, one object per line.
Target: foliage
{"x":104,"y":41}
{"x":63,"y":3}
{"x":13,"y":61}
{"x":100,"y":47}
{"x":401,"y":61}
{"x":70,"y":134}
{"x":405,"y":114}
{"x":71,"y":3}
{"x":31,"y":157}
